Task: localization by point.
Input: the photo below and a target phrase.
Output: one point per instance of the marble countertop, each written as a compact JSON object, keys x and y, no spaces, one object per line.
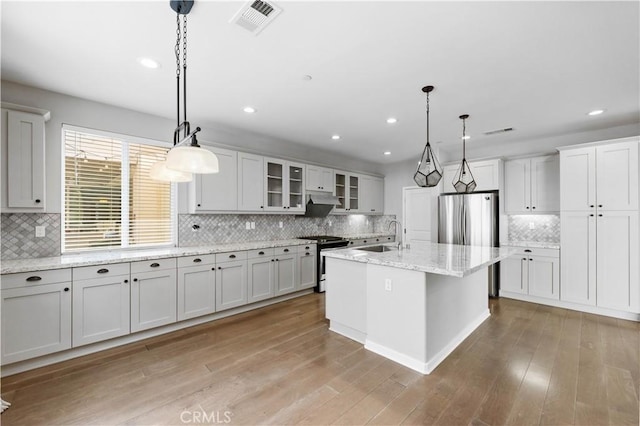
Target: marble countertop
{"x":532,"y":244}
{"x":116,"y":256}
{"x":443,"y":259}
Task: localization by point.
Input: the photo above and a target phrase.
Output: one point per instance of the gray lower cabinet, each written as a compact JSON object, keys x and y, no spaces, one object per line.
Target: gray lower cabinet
{"x":196,"y":286}
{"x":231,"y":281}
{"x":36,"y":314}
{"x":533,"y":272}
{"x":260,"y":275}
{"x":153,"y":294}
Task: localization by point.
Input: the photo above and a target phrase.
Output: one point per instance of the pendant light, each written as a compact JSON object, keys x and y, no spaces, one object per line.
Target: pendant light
{"x":186,"y":156}
{"x":463,"y":181}
{"x":429,"y":171}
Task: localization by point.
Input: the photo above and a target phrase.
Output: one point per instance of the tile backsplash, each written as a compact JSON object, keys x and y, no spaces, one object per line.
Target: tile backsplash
{"x":18,"y":240}
{"x":546,"y":228}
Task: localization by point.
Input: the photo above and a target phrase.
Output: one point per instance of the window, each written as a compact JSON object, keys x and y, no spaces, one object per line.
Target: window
{"x":109,"y":199}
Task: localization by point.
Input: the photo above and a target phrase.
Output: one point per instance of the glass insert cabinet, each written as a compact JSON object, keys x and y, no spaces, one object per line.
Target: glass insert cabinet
{"x":284,"y":186}
{"x":348,"y":192}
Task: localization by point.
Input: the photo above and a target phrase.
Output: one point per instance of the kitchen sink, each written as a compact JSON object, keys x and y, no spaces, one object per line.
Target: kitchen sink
{"x":377,"y":249}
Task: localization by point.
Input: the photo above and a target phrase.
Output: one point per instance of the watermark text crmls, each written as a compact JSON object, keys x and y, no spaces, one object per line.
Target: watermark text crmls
{"x":202,"y":416}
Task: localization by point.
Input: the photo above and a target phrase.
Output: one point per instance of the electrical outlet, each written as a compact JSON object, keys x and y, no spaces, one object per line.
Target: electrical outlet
{"x":532,"y":225}
{"x":247,"y":225}
{"x":387,"y":284}
{"x":40,"y":231}
{"x":253,"y":225}
{"x":280,"y":224}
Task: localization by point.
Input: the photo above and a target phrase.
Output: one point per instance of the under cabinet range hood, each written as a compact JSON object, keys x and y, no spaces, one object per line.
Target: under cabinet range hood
{"x":320,"y":204}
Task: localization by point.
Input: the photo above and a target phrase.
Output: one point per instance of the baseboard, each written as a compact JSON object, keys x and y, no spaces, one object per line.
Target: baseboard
{"x":407,"y":361}
{"x":348,"y":332}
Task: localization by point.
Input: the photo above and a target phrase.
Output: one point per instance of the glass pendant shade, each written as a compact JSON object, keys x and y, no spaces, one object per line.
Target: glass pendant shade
{"x":463,"y":182}
{"x":192,"y":159}
{"x":159,"y":171}
{"x":429,"y":171}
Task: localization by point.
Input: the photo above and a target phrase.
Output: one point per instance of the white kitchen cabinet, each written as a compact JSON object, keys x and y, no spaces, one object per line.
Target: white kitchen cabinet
{"x":251,"y":177}
{"x":261,"y":275}
{"x":578,"y":257}
{"x":307,"y":267}
{"x":196,"y":286}
{"x":101,"y":308}
{"x":348,"y":192}
{"x":25,"y":162}
{"x":531,"y":271}
{"x":532,"y":185}
{"x":603,"y":177}
{"x":36,"y":314}
{"x":153,"y":293}
{"x":372,"y":198}
{"x":286,"y":267}
{"x":284,"y":186}
{"x":319,"y":179}
{"x":217,"y":191}
{"x":231,"y":280}
{"x":486,"y":173}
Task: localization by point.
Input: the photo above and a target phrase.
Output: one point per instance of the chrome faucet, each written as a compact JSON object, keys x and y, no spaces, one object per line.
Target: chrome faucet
{"x":398,"y":236}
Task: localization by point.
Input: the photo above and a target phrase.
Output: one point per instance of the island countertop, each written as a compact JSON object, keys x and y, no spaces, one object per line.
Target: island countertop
{"x":442,"y":259}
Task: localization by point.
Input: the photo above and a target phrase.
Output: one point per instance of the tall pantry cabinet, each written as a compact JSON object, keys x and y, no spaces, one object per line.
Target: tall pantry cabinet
{"x":600,"y":233}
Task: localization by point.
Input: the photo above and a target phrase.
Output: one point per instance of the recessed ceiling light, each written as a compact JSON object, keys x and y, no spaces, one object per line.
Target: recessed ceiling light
{"x":249,"y":110}
{"x":148,"y":63}
{"x":387,"y":153}
{"x":392,"y":120}
{"x":596,"y":112}
{"x":335,"y":137}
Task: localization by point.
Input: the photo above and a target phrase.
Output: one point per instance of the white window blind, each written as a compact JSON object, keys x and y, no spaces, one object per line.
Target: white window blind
{"x":109,"y":200}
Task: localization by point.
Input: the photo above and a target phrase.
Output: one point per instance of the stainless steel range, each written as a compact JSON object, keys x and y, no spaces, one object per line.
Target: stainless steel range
{"x":324,"y":242}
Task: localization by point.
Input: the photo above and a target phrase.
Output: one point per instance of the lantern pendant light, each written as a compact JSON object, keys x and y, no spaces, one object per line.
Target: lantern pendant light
{"x":463,"y":181}
{"x":429,"y":171}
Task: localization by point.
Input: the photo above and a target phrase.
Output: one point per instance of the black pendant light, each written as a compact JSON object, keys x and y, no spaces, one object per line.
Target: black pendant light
{"x":429,"y":171}
{"x":463,"y":181}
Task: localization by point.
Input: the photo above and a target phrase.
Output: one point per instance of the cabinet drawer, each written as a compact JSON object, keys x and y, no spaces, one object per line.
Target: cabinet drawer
{"x":153,"y":265}
{"x":307,"y":247}
{"x":286,"y":250}
{"x":532,"y":251}
{"x":26,"y":279}
{"x":203,"y":259}
{"x":88,"y":272}
{"x":231,"y":256}
{"x":258,"y":253}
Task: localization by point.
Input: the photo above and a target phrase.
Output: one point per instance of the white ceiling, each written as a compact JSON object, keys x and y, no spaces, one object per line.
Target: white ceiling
{"x":536,"y":66}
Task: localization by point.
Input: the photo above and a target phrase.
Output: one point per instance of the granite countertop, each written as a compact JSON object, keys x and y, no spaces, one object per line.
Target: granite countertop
{"x":116,"y":256}
{"x":443,"y":259}
{"x":369,"y":235}
{"x":532,"y":244}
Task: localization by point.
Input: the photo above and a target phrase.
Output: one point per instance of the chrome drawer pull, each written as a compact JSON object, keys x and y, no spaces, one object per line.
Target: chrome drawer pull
{"x":34,"y":278}
{"x":103,"y":271}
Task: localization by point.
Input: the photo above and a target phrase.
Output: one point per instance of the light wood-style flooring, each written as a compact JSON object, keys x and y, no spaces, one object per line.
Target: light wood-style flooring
{"x":527,"y":364}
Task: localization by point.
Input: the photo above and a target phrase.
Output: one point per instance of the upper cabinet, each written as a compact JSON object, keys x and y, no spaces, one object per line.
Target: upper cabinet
{"x":486,"y":173}
{"x":319,"y":179}
{"x":372,"y":199}
{"x":24,"y":164}
{"x":284,"y":186}
{"x":250,"y":182}
{"x":217,"y":191}
{"x":604,"y":176}
{"x":348,"y":192}
{"x":532,"y":185}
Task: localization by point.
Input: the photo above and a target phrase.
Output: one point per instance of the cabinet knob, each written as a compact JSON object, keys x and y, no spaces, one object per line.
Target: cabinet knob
{"x":533,"y":207}
{"x":530,"y":260}
{"x":524,"y":258}
{"x":38,"y":201}
{"x":262,"y":207}
{"x":232,"y":256}
{"x":527,"y":207}
{"x":135,"y":280}
{"x":591,"y":206}
{"x":273,"y":260}
{"x":307,"y":254}
{"x":126,"y":281}
{"x":365,"y":241}
{"x":219,"y":267}
{"x":600,"y":205}
{"x":286,"y":250}
{"x":66,"y":289}
{"x":600,"y":215}
{"x":591,"y":215}
{"x":213,"y":269}
{"x":261,"y":253}
{"x":277,"y":260}
{"x":198,"y":205}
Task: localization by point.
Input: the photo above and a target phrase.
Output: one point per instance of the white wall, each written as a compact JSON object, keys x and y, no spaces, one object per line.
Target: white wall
{"x":84,"y":113}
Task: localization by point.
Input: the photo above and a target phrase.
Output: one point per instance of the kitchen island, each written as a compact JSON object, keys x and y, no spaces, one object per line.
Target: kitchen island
{"x":413,"y":306}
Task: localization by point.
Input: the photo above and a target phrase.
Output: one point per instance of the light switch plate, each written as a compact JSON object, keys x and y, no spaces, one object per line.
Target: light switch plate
{"x":40,"y":231}
{"x":247,"y":225}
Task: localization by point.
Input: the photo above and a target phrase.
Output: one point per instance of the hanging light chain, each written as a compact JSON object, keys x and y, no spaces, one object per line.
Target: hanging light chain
{"x":464,"y":140}
{"x":184,"y":40}
{"x":427,"y":118}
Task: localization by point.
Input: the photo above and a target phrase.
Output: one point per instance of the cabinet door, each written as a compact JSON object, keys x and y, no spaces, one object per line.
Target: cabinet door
{"x":286,"y":275}
{"x":260,"y":279}
{"x":100,"y":309}
{"x":295,"y":187}
{"x":231,"y":285}
{"x":513,"y":274}
{"x":372,"y":195}
{"x":448,"y":175}
{"x":617,"y":179}
{"x":153,"y":299}
{"x":517,"y":186}
{"x":486,"y":174}
{"x":36,"y":321}
{"x":250,"y":182}
{"x":275,"y":182}
{"x":618,"y":258}
{"x":196,"y":291}
{"x":354,"y":193}
{"x":578,"y":257}
{"x":326,"y":180}
{"x":26,"y":166}
{"x":307,"y":269}
{"x":341,"y":192}
{"x":545,"y":188}
{"x":417,"y":217}
{"x":544,"y":277}
{"x":577,"y":179}
{"x":218,"y":191}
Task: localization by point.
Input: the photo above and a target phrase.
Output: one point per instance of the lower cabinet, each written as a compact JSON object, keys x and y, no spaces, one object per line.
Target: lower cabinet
{"x":286,"y":270}
{"x":153,"y":294}
{"x":307,"y":267}
{"x":196,"y":286}
{"x":36,"y":319}
{"x":231,"y":281}
{"x":261,"y":275}
{"x":535,"y":272}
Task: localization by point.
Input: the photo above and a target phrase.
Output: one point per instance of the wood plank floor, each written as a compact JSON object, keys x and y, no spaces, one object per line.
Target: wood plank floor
{"x":527,"y":364}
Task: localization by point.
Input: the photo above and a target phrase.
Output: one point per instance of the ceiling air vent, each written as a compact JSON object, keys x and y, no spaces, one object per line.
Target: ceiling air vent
{"x":256,"y":15}
{"x":495,"y":132}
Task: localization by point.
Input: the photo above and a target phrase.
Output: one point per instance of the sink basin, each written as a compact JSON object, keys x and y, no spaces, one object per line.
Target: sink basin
{"x":377,"y":249}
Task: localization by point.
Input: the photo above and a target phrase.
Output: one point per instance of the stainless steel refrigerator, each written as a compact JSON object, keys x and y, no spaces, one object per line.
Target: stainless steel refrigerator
{"x":471,"y":219}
